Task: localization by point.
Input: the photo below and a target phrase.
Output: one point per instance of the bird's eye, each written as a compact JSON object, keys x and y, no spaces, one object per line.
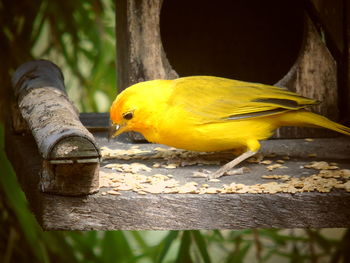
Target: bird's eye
{"x":128,"y":115}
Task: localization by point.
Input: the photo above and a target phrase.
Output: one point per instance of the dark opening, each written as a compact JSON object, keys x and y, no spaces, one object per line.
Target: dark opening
{"x":251,"y":40}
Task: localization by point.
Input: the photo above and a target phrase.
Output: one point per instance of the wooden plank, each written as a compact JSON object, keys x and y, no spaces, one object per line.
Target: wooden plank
{"x":189,"y":211}
{"x":134,"y":211}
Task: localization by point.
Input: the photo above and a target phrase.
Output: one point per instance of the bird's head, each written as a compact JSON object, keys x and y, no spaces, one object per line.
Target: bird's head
{"x":124,"y":113}
{"x":137,"y":107}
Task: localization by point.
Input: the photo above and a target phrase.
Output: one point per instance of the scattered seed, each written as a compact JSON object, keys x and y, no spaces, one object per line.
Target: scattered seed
{"x":112,"y":192}
{"x":128,"y":177}
{"x":170,"y":166}
{"x":321,"y":166}
{"x":214,"y":180}
{"x":211,"y":190}
{"x":156,"y":165}
{"x":275,"y":166}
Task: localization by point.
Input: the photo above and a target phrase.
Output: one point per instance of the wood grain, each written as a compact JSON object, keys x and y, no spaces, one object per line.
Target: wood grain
{"x":140,"y":54}
{"x":313,"y":75}
{"x":188,"y":211}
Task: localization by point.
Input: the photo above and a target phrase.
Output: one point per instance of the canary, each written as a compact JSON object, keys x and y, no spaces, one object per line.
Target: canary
{"x":203,"y":113}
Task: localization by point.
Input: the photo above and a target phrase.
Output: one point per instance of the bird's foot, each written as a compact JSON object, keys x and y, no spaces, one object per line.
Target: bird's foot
{"x":201,"y":173}
{"x":222,"y":172}
{"x":209,"y":175}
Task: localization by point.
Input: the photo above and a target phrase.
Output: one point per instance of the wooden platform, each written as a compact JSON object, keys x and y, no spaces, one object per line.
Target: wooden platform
{"x":141,"y":209}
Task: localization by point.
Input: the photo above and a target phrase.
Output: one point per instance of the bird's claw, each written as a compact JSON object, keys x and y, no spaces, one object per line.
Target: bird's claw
{"x":220,"y":172}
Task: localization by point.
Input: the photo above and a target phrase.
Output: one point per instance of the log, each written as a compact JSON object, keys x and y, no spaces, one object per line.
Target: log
{"x":69,"y":151}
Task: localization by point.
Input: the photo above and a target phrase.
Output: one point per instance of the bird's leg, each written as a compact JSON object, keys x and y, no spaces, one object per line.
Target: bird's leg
{"x":231,"y":164}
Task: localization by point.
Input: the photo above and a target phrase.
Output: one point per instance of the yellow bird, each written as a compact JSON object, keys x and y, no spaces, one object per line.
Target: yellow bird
{"x":203,"y":113}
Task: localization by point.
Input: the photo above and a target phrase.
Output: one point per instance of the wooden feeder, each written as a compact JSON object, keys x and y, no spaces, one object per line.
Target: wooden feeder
{"x":55,"y":151}
{"x":271,"y":42}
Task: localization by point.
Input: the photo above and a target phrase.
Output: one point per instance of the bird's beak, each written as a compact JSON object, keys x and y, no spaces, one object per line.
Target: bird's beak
{"x":115,"y":130}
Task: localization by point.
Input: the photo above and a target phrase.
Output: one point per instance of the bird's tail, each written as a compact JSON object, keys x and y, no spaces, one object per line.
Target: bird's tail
{"x":309,"y":119}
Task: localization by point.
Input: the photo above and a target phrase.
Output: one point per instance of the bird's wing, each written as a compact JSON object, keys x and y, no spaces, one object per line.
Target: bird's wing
{"x":212,"y":99}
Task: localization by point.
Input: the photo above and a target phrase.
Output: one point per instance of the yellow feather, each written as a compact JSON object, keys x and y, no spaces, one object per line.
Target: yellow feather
{"x":203,"y":113}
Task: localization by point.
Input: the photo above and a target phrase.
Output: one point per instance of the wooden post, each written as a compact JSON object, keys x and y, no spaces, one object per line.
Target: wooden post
{"x":140,"y":54}
{"x":69,"y":151}
{"x":139,"y":49}
{"x":347,"y":55}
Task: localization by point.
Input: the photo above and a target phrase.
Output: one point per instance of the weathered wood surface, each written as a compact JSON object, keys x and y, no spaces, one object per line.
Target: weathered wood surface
{"x":54,"y":122}
{"x":140,"y":53}
{"x":347,"y":57}
{"x":313,"y":75}
{"x":95,"y":121}
{"x":139,"y":49}
{"x":330,"y":16}
{"x":134,"y":211}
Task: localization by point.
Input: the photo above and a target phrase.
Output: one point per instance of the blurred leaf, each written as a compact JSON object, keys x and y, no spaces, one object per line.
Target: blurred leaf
{"x":320,"y":240}
{"x":280,"y":239}
{"x":184,"y":255}
{"x":82,"y":244}
{"x":16,"y":200}
{"x":201,"y":244}
{"x":295,"y":256}
{"x":115,"y":247}
{"x":238,"y":233}
{"x":140,"y":240}
{"x":239,"y":253}
{"x":165,"y":245}
{"x":341,"y":254}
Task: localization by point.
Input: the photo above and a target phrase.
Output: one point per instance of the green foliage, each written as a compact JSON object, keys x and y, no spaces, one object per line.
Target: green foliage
{"x":76,"y":35}
{"x":79,"y":36}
